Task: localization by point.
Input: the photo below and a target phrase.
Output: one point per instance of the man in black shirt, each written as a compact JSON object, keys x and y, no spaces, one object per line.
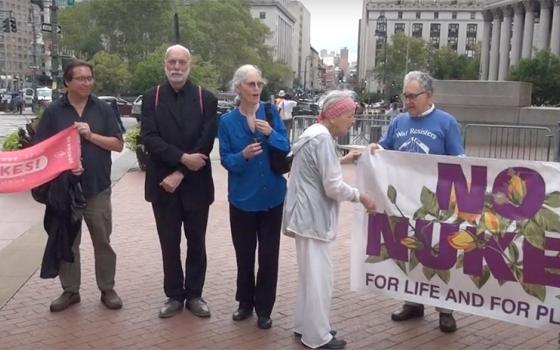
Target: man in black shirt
{"x":178,"y":130}
{"x":100,"y":134}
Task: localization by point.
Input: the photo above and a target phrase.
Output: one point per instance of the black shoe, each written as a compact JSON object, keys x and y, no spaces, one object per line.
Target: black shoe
{"x":264,"y":322}
{"x":198,"y":307}
{"x":242,"y":313}
{"x":171,"y":308}
{"x":447,"y":323}
{"x":64,"y":301}
{"x":298,"y":335}
{"x":111,"y":299}
{"x":334,"y":344}
{"x":408,"y":312}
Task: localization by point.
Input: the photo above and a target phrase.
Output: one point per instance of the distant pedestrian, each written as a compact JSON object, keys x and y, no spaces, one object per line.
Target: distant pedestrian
{"x":100,"y":134}
{"x":315,"y":189}
{"x":18,"y":102}
{"x":285,"y":108}
{"x":178,"y":129}
{"x":255,"y":193}
{"x":422,"y":129}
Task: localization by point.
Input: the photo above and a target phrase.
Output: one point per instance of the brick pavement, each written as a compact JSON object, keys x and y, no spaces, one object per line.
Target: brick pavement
{"x":363,"y":319}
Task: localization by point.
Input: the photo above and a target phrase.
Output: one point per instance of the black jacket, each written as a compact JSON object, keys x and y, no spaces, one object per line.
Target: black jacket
{"x":63,"y":219}
{"x":179,"y":125}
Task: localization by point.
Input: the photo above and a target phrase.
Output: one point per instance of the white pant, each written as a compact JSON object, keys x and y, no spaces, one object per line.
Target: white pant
{"x":314,"y":292}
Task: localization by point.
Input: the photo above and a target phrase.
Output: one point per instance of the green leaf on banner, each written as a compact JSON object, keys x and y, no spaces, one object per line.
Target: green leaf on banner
{"x":383,"y":255}
{"x":549,"y":219}
{"x":428,"y":272}
{"x":429,"y":201}
{"x":401,"y":265}
{"x":460,"y":261}
{"x":413,"y":262}
{"x":420,"y":214}
{"x":553,"y":199}
{"x":536,"y":290}
{"x":445,"y":275}
{"x":534,"y":234}
{"x":392,"y":194}
{"x":480,"y":281}
{"x":513,"y":252}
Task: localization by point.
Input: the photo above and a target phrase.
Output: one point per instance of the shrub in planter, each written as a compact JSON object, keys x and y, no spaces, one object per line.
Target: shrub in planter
{"x":11,"y":142}
{"x":132,"y":141}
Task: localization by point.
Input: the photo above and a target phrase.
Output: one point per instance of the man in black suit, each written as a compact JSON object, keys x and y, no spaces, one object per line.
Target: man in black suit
{"x":178,"y":129}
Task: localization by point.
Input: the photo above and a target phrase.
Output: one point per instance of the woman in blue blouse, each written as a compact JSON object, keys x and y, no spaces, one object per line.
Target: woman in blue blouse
{"x":255,"y":193}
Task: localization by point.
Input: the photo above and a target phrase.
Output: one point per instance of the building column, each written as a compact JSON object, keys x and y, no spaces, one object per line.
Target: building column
{"x":544,"y":25}
{"x":516,"y":41}
{"x":495,"y":45}
{"x":485,"y":54}
{"x":528,"y":29}
{"x":505,"y":38}
{"x":555,"y":37}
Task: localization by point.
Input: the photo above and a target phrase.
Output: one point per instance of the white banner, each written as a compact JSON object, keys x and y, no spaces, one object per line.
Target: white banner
{"x":470,"y":234}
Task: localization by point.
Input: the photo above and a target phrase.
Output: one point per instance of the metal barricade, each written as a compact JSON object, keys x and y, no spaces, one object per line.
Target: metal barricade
{"x":508,"y":141}
{"x":364,"y":130}
{"x":299,"y":124}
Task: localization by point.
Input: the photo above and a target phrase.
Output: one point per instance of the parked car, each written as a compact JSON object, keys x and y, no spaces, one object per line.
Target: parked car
{"x":125,"y":107}
{"x":306,"y":107}
{"x":137,"y":108}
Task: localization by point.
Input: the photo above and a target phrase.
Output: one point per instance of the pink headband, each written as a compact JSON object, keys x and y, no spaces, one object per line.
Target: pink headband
{"x":338,"y":108}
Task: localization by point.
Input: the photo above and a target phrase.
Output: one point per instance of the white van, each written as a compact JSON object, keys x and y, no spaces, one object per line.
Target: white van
{"x":28,"y":96}
{"x":44,"y":95}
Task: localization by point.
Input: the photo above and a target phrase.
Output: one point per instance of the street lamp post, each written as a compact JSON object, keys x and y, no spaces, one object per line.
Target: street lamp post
{"x":381,"y":31}
{"x":305,"y":73}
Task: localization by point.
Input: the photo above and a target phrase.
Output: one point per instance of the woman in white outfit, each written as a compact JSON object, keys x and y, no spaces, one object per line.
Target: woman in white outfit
{"x":315,"y":189}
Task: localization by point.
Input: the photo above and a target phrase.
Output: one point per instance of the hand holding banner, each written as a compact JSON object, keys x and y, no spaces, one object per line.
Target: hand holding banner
{"x":30,"y":167}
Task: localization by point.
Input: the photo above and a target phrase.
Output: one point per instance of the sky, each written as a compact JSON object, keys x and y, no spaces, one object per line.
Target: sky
{"x":334,"y":24}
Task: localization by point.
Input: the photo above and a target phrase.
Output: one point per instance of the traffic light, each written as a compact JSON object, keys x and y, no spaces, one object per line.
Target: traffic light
{"x":13,"y":24}
{"x":6,"y":25}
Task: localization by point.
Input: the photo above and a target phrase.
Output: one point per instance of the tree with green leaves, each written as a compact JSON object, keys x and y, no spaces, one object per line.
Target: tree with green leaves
{"x":221,"y":35}
{"x":405,"y":54}
{"x":543,"y":70}
{"x":151,"y":72}
{"x":111,"y":73}
{"x":130,"y":29}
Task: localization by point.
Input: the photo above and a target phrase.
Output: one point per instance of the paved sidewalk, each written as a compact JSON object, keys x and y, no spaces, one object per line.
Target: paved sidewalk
{"x":363,"y":319}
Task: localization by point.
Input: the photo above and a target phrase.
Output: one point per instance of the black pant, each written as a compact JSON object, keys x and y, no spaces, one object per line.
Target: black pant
{"x":246,"y":229}
{"x":169,"y":218}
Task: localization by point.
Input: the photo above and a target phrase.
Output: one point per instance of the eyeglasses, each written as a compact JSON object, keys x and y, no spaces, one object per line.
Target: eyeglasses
{"x":83,"y":79}
{"x":411,"y":97}
{"x":257,"y":84}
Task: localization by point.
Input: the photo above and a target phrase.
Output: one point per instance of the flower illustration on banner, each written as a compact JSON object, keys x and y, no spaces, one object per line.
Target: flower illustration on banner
{"x":485,"y":231}
{"x":462,"y":240}
{"x":517,"y":188}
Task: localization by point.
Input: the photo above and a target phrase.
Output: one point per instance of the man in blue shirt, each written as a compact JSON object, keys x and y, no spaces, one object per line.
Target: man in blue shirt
{"x":422,"y":129}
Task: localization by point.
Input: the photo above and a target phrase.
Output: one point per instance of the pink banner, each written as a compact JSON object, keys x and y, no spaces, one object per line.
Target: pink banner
{"x":27,"y":168}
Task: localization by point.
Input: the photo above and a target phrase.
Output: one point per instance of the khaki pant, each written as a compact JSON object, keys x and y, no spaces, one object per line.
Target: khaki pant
{"x":98,"y":218}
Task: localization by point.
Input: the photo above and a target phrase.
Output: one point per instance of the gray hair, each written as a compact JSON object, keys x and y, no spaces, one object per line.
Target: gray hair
{"x":335,"y":96}
{"x":424,"y":79}
{"x":241,"y":73}
{"x":181,"y":47}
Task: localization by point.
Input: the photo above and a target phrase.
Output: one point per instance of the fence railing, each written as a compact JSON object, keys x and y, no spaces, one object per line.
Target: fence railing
{"x":364,"y":130}
{"x":480,"y":140}
{"x":509,"y":141}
